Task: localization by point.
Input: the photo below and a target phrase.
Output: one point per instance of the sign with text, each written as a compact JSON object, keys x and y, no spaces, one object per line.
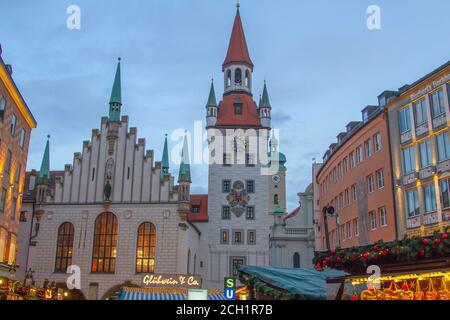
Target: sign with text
{"x":171,"y":280}
{"x":230,"y":288}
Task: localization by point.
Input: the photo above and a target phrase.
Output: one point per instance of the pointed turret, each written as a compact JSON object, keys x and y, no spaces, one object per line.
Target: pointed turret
{"x":211,"y":107}
{"x":165,"y":160}
{"x":44,"y":173}
{"x":237,"y":48}
{"x":185,"y":168}
{"x":115,"y":102}
{"x":265,"y":108}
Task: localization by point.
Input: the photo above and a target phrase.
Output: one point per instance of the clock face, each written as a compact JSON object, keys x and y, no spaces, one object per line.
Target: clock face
{"x":276,"y":179}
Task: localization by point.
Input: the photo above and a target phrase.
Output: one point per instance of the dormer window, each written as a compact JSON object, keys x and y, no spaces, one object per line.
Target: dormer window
{"x":238,"y":108}
{"x":238,"y":76}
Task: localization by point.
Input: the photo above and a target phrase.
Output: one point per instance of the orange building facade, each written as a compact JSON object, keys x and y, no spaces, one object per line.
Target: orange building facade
{"x":355,"y":179}
{"x":16,"y":123}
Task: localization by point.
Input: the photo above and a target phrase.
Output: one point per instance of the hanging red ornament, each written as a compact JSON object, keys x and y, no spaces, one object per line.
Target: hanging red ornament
{"x":365,"y":254}
{"x":437,"y":241}
{"x":445,"y":236}
{"x":376,"y":248}
{"x":333,"y":252}
{"x":338,"y":259}
{"x":422,"y":252}
{"x":425,"y":241}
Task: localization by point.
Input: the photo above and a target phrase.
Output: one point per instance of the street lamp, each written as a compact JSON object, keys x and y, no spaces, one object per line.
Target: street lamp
{"x":328,"y":211}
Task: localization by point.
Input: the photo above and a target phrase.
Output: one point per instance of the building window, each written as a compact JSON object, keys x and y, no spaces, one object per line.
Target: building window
{"x":250,"y":186}
{"x":404,"y":120}
{"x":437,"y":103}
{"x":226,"y":160}
{"x":425,"y":153}
{"x":347,"y":196}
{"x":226,"y":186}
{"x":228,"y":78}
{"x":443,"y":146}
{"x":238,"y":76}
{"x":105,"y":243}
{"x":383,"y":218}
{"x":373,"y":220}
{"x":2,"y":108}
{"x":368,"y":148}
{"x":354,"y":196}
{"x":370,"y":186}
{"x":17,"y":175}
{"x":412,"y":200}
{"x":13,"y":209}
{"x":195,"y":208}
{"x":250,"y":214}
{"x":8,"y":161}
{"x":188,"y":266}
{"x":409,"y":161}
{"x":359,"y":154}
{"x":342,"y":233}
{"x":237,"y":237}
{"x":23,"y":216}
{"x":430,"y":197}
{"x":377,"y":142}
{"x":225,"y":213}
{"x":380,"y":178}
{"x":251,"y":237}
{"x":420,"y":110}
{"x":238,"y":108}
{"x":345,"y":165}
{"x":145,"y":248}
{"x":3,"y":202}
{"x":341,"y":200}
{"x":445,"y":196}
{"x":13,"y":125}
{"x":352,"y":160}
{"x":224,"y":238}
{"x":296,"y":260}
{"x":356,"y":227}
{"x":235,"y":263}
{"x":64,"y":247}
{"x":349,"y":230}
{"x":22,"y":138}
{"x":275,"y":199}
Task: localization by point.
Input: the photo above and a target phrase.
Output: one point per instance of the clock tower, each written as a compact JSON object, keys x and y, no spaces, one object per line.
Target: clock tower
{"x":239,"y":209}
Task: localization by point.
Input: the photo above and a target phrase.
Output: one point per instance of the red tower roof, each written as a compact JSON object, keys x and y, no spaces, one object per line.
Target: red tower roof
{"x":237,"y":49}
{"x":247,"y":118}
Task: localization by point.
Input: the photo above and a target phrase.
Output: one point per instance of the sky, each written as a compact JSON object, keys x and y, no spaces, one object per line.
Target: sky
{"x":321,"y":63}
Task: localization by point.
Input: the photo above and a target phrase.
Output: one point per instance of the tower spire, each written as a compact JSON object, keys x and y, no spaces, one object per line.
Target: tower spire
{"x":165,"y":160}
{"x":185,"y":168}
{"x":115,"y":102}
{"x":44,"y":172}
{"x":265,"y":102}
{"x":237,"y":48}
{"x":212,"y":96}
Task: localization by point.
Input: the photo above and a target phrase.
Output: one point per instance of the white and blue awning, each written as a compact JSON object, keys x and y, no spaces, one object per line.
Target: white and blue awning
{"x":141,"y":294}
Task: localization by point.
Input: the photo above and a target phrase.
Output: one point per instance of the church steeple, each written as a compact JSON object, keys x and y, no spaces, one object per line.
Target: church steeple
{"x":265,"y":108}
{"x":115,"y":102}
{"x":165,"y":160}
{"x":211,"y":107}
{"x":44,"y":172}
{"x":185,"y":168}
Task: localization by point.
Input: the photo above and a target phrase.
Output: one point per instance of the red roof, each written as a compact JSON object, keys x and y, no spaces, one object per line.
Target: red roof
{"x":227,"y":116}
{"x":295,"y":212}
{"x":237,"y":48}
{"x":200,"y":200}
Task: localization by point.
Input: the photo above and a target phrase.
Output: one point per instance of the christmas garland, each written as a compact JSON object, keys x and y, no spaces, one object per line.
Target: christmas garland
{"x":260,"y":286}
{"x":356,"y":259}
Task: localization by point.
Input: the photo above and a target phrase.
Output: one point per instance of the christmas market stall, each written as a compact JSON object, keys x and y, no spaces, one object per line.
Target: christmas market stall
{"x":269,"y":283}
{"x":416,"y":268}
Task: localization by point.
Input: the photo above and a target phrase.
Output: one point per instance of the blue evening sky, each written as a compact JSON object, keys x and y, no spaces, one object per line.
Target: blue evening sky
{"x":321,"y":63}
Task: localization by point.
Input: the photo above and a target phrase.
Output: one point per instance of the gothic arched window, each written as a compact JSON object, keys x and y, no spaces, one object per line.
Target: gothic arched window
{"x":105,"y":243}
{"x":296,"y":259}
{"x":275,"y":199}
{"x":238,"y":76}
{"x":146,"y":244}
{"x":228,"y":78}
{"x":64,"y":247}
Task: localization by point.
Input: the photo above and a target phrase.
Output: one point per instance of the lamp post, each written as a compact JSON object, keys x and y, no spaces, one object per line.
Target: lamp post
{"x":328,"y":211}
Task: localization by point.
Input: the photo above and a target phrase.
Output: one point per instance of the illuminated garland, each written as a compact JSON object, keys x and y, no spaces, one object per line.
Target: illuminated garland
{"x":356,"y":259}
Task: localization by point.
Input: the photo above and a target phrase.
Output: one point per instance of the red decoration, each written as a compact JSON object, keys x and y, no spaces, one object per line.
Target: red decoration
{"x":338,"y":259}
{"x":425,"y":241}
{"x":437,"y":241}
{"x":376,"y":248}
{"x":333,"y":252}
{"x":422,"y":252}
{"x":365,"y":254}
{"x":445,"y":236}
{"x":354,"y":297}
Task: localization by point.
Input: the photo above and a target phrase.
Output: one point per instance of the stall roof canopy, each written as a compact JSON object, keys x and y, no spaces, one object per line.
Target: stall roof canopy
{"x":307,"y":283}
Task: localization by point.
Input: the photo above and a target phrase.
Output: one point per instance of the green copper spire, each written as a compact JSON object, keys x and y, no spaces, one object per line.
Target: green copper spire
{"x":185,"y":168}
{"x":212,"y":96}
{"x":265,"y":98}
{"x":165,"y":160}
{"x":44,"y":173}
{"x":115,"y":102}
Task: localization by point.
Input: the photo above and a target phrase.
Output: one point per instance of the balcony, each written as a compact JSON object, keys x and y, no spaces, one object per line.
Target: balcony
{"x":410,"y":178}
{"x":430,"y":218}
{"x":413,"y":222}
{"x":443,"y":166}
{"x":439,"y":121}
{"x":405,"y":137}
{"x":427,"y":172}
{"x":296,"y":231}
{"x":422,"y":129}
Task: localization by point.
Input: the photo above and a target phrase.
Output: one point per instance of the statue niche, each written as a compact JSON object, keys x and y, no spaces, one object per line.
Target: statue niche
{"x":109,"y":174}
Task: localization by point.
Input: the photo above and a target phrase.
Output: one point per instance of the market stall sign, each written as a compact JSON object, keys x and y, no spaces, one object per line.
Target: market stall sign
{"x":171,"y":281}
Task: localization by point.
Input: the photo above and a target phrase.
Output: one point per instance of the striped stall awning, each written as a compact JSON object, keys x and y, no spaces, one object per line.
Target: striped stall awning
{"x":133,"y":294}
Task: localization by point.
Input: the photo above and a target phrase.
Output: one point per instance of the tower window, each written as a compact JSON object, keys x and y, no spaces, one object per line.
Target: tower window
{"x":238,"y":108}
{"x":238,"y":76}
{"x":275,"y":199}
{"x":228,"y":78}
{"x":247,"y":79}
